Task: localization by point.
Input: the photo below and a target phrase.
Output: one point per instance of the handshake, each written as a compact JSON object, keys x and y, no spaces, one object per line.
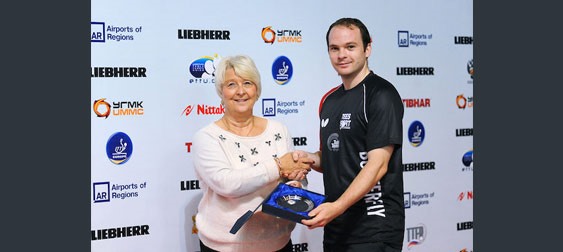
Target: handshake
{"x":295,"y":165}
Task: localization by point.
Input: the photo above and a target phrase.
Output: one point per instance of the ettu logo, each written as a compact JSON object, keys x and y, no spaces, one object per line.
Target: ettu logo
{"x":416,"y":133}
{"x":282,"y":70}
{"x":119,"y":148}
{"x":467,"y":158}
{"x":204,"y":67}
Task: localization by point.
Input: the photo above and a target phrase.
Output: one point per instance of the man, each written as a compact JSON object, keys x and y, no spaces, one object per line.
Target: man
{"x":360,"y":154}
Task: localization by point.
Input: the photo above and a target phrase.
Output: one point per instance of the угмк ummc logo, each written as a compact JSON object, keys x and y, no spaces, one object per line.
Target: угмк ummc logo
{"x":203,"y":109}
{"x":122,"y":108}
{"x":283,"y":36}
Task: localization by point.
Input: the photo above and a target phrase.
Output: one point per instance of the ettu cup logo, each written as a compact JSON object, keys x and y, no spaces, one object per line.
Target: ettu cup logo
{"x":282,"y":70}
{"x":119,"y":148}
{"x":416,"y":133}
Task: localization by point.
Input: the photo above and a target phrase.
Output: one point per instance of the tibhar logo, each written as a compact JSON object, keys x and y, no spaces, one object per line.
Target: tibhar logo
{"x":269,"y":107}
{"x":415,"y":235}
{"x":118,"y":72}
{"x":415,"y":71}
{"x":189,"y":146}
{"x":204,"y":34}
{"x":464,"y":132}
{"x":119,"y":148}
{"x":417,"y":103}
{"x":463,"y":40}
{"x":203,"y":69}
{"x":464,"y":102}
{"x":282,"y":70}
{"x":416,"y":133}
{"x":110,"y":233}
{"x":283,"y":36}
{"x":464,"y":225}
{"x":123,"y":108}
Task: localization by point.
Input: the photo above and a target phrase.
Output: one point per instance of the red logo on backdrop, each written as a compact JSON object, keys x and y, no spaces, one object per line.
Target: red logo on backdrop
{"x":189,"y":146}
{"x":188,"y":110}
{"x":465,"y":195}
{"x":203,"y":109}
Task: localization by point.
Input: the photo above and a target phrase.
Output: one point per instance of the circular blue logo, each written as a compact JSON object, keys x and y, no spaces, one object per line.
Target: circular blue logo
{"x":416,"y":133}
{"x":467,"y":158}
{"x":119,"y":148}
{"x":282,"y":70}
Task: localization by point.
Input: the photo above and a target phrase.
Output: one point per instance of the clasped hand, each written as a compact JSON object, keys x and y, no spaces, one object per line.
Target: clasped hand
{"x":295,"y":165}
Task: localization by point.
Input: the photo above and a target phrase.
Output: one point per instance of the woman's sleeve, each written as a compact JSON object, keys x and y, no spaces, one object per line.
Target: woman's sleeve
{"x":212,"y":166}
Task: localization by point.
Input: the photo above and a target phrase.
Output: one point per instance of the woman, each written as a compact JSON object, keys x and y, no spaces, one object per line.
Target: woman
{"x":239,"y":160}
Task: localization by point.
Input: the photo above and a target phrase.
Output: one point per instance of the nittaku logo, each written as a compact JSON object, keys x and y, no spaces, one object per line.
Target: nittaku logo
{"x":282,"y":70}
{"x":283,"y":36}
{"x":415,"y":235}
{"x":119,"y":148}
{"x":203,"y":69}
{"x":465,"y":196}
{"x":203,"y":109}
{"x":269,"y":107}
{"x":416,"y":133}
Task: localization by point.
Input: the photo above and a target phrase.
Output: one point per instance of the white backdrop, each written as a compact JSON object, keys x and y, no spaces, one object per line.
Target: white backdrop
{"x":157,"y":71}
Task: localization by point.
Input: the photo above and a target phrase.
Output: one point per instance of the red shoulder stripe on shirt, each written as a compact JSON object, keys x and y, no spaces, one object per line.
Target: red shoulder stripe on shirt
{"x":325,"y":96}
{"x":321,"y":107}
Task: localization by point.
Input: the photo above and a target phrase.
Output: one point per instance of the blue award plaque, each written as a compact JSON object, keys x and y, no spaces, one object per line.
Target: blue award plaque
{"x":291,"y":203}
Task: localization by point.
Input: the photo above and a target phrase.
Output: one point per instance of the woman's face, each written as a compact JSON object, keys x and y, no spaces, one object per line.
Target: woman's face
{"x":239,"y":95}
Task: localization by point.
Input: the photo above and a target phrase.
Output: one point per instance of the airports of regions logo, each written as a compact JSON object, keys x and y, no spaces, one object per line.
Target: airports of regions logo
{"x":119,"y":148}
